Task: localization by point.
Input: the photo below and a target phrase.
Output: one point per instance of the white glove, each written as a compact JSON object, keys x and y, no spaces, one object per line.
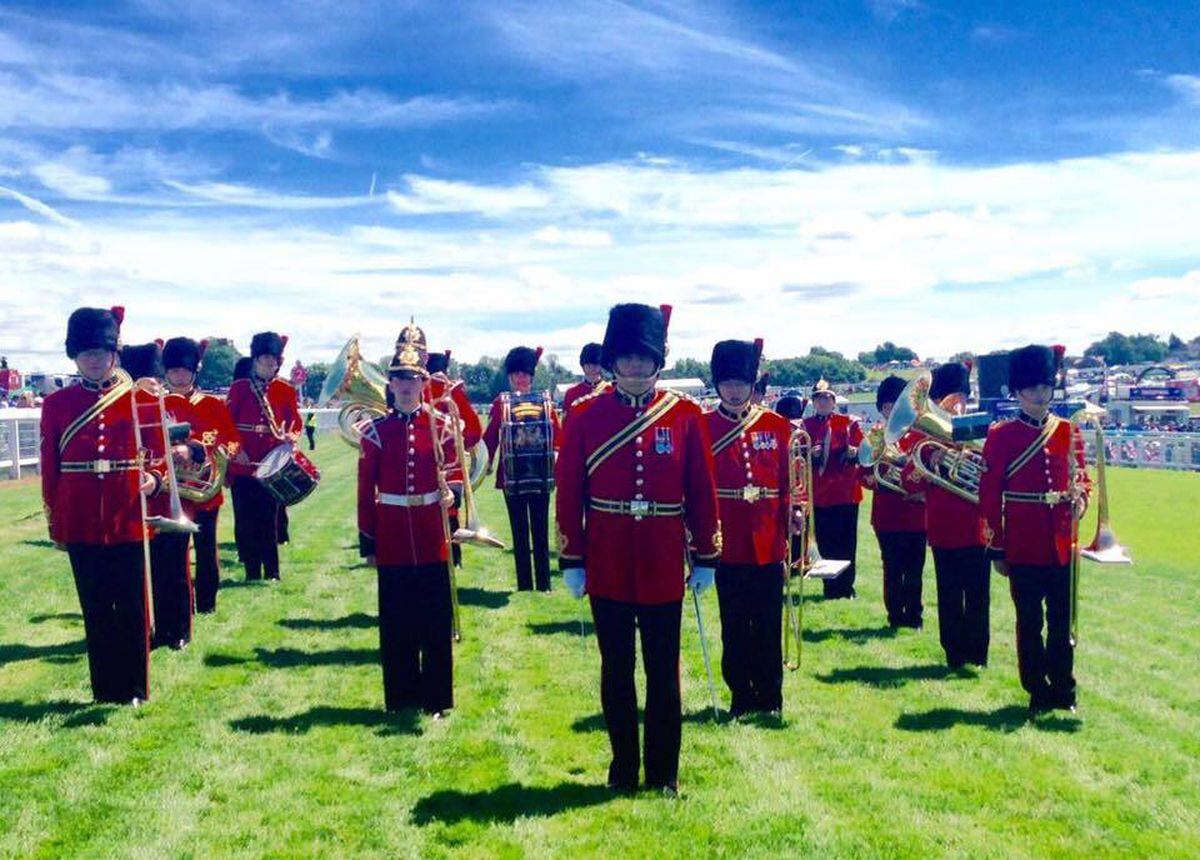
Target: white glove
{"x":575,"y":578}
{"x":702,"y":579}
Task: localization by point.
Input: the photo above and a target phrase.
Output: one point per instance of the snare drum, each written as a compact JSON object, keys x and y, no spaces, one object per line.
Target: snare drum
{"x":287,"y":474}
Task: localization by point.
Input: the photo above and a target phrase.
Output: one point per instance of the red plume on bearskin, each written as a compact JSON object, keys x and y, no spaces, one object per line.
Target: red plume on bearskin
{"x":283,"y":338}
{"x":161,"y":343}
{"x":758,"y":347}
{"x":203,"y":348}
{"x":666,"y":312}
{"x":970,"y":364}
{"x":118,"y":311}
{"x":447,"y":356}
{"x":537,"y":352}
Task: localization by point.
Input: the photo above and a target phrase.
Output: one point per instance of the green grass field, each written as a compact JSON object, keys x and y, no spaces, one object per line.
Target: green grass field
{"x":267,"y":736}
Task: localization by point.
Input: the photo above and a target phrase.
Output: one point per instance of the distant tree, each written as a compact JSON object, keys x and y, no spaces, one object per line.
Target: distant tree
{"x":886,"y":353}
{"x":550,"y":372}
{"x":686,"y":368}
{"x":961,"y":357}
{"x":820,"y":363}
{"x":217,"y":369}
{"x":1118,"y":348}
{"x":317,"y":372}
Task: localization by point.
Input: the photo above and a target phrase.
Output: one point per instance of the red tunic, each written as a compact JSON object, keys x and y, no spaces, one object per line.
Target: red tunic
{"x":211,"y":426}
{"x":632,"y":557}
{"x":255,"y":432}
{"x":1031,"y":532}
{"x":472,"y":430}
{"x":581,"y":389}
{"x":92,"y":507}
{"x":839,"y":483}
{"x":397,"y":464}
{"x":752,"y":485}
{"x":892,"y":511}
{"x":491,"y":436}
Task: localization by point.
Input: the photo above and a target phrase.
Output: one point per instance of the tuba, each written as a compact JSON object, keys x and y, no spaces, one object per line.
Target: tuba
{"x":361,"y":386}
{"x":938,"y":458}
{"x":885,"y":461}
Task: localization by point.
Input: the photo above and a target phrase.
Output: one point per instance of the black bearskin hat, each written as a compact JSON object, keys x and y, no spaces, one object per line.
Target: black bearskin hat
{"x":592,"y":353}
{"x":144,"y":360}
{"x":241,"y":368}
{"x":1032,"y":365}
{"x":94,"y":328}
{"x":267,"y":343}
{"x":522,"y":359}
{"x":636,"y":329}
{"x":889,"y":391}
{"x":183,"y":352}
{"x":736,"y":360}
{"x":790,"y":407}
{"x":950,"y":378}
{"x":438,"y":362}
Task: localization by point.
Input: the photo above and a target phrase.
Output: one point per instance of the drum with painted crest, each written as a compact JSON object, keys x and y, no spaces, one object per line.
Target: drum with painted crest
{"x":287,"y":474}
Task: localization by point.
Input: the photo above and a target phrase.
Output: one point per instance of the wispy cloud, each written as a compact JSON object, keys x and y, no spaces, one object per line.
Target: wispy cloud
{"x":37,"y":207}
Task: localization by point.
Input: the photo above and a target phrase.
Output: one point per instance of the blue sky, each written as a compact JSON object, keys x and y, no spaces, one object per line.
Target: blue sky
{"x":948,"y":176}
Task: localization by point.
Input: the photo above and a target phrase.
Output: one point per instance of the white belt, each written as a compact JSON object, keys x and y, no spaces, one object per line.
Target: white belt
{"x":415,"y":501}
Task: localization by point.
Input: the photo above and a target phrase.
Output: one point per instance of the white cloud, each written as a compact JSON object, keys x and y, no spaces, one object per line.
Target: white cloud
{"x":1183,"y":287}
{"x":1187,"y":86}
{"x":554,"y":235}
{"x":70,"y":182}
{"x":426,"y":196}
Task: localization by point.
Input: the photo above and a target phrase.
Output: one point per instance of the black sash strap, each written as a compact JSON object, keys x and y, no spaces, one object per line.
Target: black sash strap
{"x":1036,"y":445}
{"x":738,"y":429}
{"x":622,"y":436}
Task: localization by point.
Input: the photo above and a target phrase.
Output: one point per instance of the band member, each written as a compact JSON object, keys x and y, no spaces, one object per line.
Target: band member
{"x":212,"y":426}
{"x":93,"y":481}
{"x":170,"y":570}
{"x":402,"y":494}
{"x":836,"y":489}
{"x":265,"y":412}
{"x":241,"y":370}
{"x":593,"y":377}
{"x":956,"y":534}
{"x":759,"y":392}
{"x":635,"y":479}
{"x":525,"y":431}
{"x":899,"y":521}
{"x":437,"y":389}
{"x":750,"y":454}
{"x":1033,"y":493}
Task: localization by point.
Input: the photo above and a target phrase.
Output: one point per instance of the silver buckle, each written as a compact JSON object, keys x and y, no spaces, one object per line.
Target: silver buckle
{"x":639,"y":508}
{"x":102,"y":467}
{"x":751,"y":493}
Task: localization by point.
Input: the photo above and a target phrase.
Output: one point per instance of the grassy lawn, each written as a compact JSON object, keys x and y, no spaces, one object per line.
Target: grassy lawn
{"x":267,"y":736}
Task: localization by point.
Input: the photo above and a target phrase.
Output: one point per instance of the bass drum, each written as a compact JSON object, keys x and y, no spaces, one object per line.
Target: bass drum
{"x":287,"y":474}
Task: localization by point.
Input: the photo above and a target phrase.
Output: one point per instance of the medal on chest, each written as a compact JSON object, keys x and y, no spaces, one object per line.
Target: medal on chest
{"x":764,"y":442}
{"x":662,"y":440}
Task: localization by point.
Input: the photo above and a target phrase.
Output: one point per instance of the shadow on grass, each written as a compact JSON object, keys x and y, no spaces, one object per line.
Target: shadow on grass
{"x":482,"y":597}
{"x":76,"y":713}
{"x":39,"y":542}
{"x":227,"y":546}
{"x":1006,"y":719}
{"x":887,"y":676}
{"x":550,"y":628}
{"x":55,"y":616}
{"x":63,"y":652}
{"x":290,"y":658}
{"x":386,"y":723}
{"x":857,"y":635}
{"x":595,"y":722}
{"x":506,"y":803}
{"x":356,"y":621}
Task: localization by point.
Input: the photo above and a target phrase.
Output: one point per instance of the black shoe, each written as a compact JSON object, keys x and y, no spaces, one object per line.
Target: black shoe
{"x":136,"y":702}
{"x":1037,"y":705}
{"x":179,"y":644}
{"x":620,"y":787}
{"x":273,"y":577}
{"x":669,"y":790}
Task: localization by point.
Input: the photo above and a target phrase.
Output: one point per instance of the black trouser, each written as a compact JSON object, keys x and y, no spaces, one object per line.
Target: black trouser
{"x":257,"y":514}
{"x":239,"y":518}
{"x":415,"y":645}
{"x":530,"y":514}
{"x":208,"y":565}
{"x":903,"y":555}
{"x":311,"y":432}
{"x":1046,"y":667}
{"x":171,"y":584}
{"x":616,"y":623}
{"x":751,"y":601}
{"x":837,"y":538}
{"x":456,"y":548}
{"x":964,"y":597}
{"x":281,"y":525}
{"x":112,"y":595}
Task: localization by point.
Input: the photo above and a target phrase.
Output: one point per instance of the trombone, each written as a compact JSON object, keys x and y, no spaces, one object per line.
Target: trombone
{"x":799,"y":488}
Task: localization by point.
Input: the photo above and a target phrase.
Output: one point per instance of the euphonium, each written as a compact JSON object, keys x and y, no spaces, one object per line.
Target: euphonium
{"x":361,"y":386}
{"x":200,"y":482}
{"x":953,"y":466}
{"x":884,"y":460}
